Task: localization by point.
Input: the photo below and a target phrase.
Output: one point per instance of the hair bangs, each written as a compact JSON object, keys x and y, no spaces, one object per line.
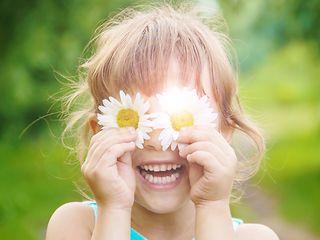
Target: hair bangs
{"x":142,"y":55}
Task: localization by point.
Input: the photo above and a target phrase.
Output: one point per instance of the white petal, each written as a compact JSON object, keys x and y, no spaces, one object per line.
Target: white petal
{"x":125,"y":99}
{"x":139,"y":139}
{"x":129,"y":101}
{"x":103,"y":109}
{"x":145,"y":129}
{"x":104,"y":118}
{"x":144,"y":107}
{"x":137,"y":100}
{"x":139,"y":145}
{"x":115,"y":102}
{"x":122,"y":97}
{"x":105,"y":102}
{"x":109,"y":125}
{"x":173,"y":145}
{"x":146,"y":123}
{"x":165,"y":145}
{"x":175,"y":135}
{"x":165,"y":139}
{"x":164,"y":133}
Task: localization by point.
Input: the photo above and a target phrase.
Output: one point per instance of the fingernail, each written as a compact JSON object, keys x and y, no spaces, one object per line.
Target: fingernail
{"x":132,"y":130}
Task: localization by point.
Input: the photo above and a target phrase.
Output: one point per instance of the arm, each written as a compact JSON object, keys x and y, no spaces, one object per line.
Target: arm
{"x":75,"y":220}
{"x":214,"y":222}
{"x":108,"y":163}
{"x":255,"y":232}
{"x":71,"y":221}
{"x":211,"y":186}
{"x":112,"y":224}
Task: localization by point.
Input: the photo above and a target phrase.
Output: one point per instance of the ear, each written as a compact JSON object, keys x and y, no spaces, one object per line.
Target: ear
{"x":94,"y":126}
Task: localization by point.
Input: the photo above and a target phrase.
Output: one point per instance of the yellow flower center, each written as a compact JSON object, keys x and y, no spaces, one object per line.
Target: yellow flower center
{"x":127,"y":118}
{"x":181,"y":119}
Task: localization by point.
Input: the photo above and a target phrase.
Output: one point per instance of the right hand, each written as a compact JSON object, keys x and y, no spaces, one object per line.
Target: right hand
{"x":108,"y":167}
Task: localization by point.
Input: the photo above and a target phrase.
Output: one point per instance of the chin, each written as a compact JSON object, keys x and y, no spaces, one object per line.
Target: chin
{"x":162,"y":202}
{"x":163,"y":205}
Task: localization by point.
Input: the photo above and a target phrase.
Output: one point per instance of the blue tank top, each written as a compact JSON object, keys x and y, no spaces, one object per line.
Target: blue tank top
{"x":134,"y":235}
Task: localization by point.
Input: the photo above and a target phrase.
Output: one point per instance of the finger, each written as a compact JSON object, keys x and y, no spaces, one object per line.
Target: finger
{"x":204,"y":159}
{"x":201,"y":146}
{"x":191,"y":135}
{"x":218,"y":136}
{"x":212,"y":128}
{"x":203,"y":133}
{"x":96,"y":158}
{"x":110,"y":157}
{"x":207,"y":127}
{"x":95,"y":138}
{"x":107,"y":132}
{"x":220,"y":155}
{"x":98,"y":148}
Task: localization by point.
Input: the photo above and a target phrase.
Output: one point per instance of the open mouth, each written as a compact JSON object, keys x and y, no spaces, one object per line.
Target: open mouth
{"x":161,"y":174}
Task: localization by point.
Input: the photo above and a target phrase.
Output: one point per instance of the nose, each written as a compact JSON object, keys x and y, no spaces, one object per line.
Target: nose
{"x":153,"y":143}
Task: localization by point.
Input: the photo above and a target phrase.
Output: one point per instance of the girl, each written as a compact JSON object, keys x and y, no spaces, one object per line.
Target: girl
{"x":144,"y":185}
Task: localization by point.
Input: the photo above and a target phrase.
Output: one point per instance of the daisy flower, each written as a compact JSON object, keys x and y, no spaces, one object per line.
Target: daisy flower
{"x":182,"y":108}
{"x":127,"y":113}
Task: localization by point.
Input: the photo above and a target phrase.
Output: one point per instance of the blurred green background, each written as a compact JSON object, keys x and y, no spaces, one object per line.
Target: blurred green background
{"x":278,"y":50}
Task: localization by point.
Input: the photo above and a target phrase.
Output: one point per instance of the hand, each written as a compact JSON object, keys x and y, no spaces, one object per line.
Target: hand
{"x":212,"y":164}
{"x":108,"y":167}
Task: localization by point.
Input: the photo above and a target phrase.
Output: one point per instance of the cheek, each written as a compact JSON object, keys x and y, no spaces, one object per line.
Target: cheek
{"x":134,"y":156}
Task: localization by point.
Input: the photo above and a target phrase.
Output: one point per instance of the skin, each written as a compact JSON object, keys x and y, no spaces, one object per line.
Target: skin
{"x":198,"y":206}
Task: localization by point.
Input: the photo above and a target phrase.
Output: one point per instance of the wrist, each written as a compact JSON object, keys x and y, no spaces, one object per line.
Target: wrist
{"x":214,"y":221}
{"x":211,"y":205}
{"x":215,"y":208}
{"x":107,"y":207}
{"x":113,"y":222}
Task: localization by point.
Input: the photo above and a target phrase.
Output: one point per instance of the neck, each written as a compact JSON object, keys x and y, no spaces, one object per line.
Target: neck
{"x":175,"y":225}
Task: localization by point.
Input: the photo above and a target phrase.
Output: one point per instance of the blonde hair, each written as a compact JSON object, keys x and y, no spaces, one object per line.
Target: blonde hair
{"x":131,"y":52}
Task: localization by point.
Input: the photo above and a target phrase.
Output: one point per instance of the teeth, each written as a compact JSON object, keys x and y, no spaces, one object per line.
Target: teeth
{"x":160,"y":167}
{"x":161,"y":180}
{"x":163,"y":167}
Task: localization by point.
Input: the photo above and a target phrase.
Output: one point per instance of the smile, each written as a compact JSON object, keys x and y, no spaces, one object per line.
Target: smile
{"x":161,"y":176}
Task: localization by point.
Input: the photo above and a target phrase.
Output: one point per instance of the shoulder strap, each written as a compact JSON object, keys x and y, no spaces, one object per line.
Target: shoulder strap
{"x":236,"y":222}
{"x":134,"y":235}
{"x":94,"y":207}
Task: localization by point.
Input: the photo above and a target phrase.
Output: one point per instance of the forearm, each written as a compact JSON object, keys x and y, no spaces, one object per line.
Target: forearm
{"x":214,"y":221}
{"x":112,"y":224}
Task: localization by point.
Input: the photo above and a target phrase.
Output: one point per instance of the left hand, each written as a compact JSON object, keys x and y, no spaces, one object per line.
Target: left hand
{"x":212,"y":164}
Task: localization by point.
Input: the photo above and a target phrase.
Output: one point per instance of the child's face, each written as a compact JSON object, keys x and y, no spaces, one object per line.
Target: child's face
{"x":162,"y":198}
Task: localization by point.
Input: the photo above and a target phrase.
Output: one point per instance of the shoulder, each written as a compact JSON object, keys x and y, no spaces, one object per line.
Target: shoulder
{"x":72,"y":220}
{"x":252,"y":231}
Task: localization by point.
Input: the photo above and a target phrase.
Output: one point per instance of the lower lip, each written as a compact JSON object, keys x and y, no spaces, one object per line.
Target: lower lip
{"x":166,"y":186}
